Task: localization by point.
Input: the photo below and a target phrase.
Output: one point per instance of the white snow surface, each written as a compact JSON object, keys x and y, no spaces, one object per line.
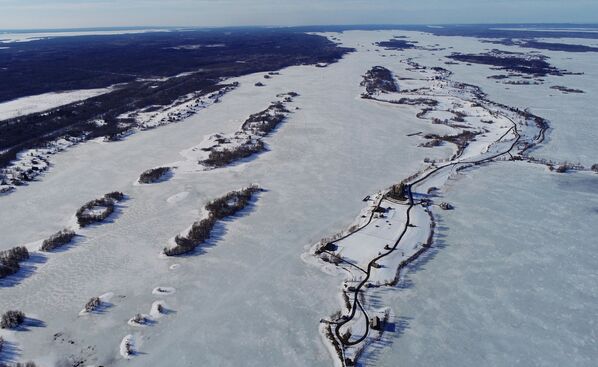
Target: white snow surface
{"x":42,"y":102}
{"x":253,"y":290}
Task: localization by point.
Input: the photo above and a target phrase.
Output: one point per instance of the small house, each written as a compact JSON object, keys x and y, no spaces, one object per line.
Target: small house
{"x":375,"y":323}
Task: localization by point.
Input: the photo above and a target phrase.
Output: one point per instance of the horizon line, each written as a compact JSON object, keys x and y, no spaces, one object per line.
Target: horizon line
{"x":154,"y":27}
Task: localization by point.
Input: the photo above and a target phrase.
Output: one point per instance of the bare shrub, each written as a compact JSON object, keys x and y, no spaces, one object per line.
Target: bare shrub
{"x":200,"y":232}
{"x":12,"y":319}
{"x":153,"y":175}
{"x":232,"y":202}
{"x":218,"y":209}
{"x":99,"y":209}
{"x":417,"y":101}
{"x":115,"y":195}
{"x":139,"y":319}
{"x":265,"y":121}
{"x":10,"y":259}
{"x":222,"y":158}
{"x":93,"y":304}
{"x":18,"y":253}
{"x":563,"y":168}
{"x":431,"y":143}
{"x":346,"y":336}
{"x":58,"y":239}
{"x":89,"y":213}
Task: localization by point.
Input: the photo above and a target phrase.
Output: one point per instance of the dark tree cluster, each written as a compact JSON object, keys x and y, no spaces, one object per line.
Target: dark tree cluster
{"x":379,"y":80}
{"x":431,"y":143}
{"x":232,"y":202}
{"x":115,"y":195}
{"x":261,"y":124}
{"x":10,"y":259}
{"x":139,"y":319}
{"x":12,"y":319}
{"x":218,"y":209}
{"x":595,"y":168}
{"x":397,"y":44}
{"x":265,"y":121}
{"x":224,"y":157}
{"x":398,"y":192}
{"x":515,"y":62}
{"x":199,"y":233}
{"x":551,"y":46}
{"x":93,"y":304}
{"x":99,"y":209}
{"x":564,"y":168}
{"x":460,"y":140}
{"x":58,"y":239}
{"x":417,"y":101}
{"x":153,"y":175}
{"x":566,"y":89}
{"x":459,"y":116}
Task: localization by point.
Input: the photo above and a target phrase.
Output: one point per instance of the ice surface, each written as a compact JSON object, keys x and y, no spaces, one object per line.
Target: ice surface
{"x":252,"y":290}
{"x":254,"y":295}
{"x":511,"y":280}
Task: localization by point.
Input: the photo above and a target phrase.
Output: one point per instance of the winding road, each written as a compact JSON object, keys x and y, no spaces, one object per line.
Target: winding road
{"x":409,"y":189}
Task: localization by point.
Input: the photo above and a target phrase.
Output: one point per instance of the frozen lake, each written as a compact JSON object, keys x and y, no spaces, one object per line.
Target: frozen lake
{"x":513,"y":281}
{"x":251,"y":290}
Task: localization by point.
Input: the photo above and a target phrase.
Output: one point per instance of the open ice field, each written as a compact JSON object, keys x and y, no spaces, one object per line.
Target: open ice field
{"x":251,"y":290}
{"x":512,"y":278}
{"x":248,"y":298}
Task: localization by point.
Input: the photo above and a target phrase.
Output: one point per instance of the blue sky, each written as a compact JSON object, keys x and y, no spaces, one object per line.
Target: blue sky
{"x":108,"y":13}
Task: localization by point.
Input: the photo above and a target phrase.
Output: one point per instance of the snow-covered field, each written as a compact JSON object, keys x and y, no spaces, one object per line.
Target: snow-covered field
{"x":252,"y":300}
{"x":511,"y":280}
{"x":42,"y":102}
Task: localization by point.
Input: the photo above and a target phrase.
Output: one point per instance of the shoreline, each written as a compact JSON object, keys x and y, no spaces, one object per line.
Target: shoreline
{"x":349,"y":334}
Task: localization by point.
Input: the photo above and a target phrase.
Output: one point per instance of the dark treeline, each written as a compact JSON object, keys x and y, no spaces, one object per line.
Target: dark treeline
{"x":397,"y":44}
{"x":57,"y":240}
{"x":261,"y":124}
{"x":224,"y":157}
{"x":98,"y":210}
{"x":461,"y":140}
{"x":70,"y":63}
{"x":153,"y":175}
{"x":551,"y":46}
{"x":537,"y":66}
{"x":218,"y":209}
{"x":379,"y":79}
{"x":265,"y":121}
